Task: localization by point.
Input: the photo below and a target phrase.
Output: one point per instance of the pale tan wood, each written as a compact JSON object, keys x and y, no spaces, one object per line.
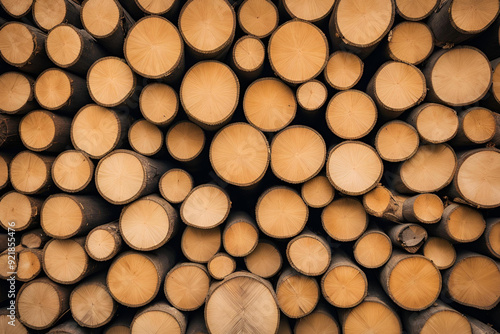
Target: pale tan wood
{"x":49,"y":13}
{"x":309,"y":254}
{"x":383,"y":203}
{"x":477,"y":125}
{"x":148,"y":223}
{"x":159,"y":7}
{"x":281,"y":213}
{"x":21,"y":209}
{"x":454,"y":82}
{"x":69,"y":327}
{"x":16,"y":93}
{"x":97,"y":131}
{"x":317,"y":192}
{"x":344,"y":284}
{"x":491,"y":238}
{"x":64,"y":216}
{"x":72,"y":48}
{"x":233,"y":305}
{"x":175,"y":185}
{"x":359,"y":26}
{"x":439,"y":318}
{"x":373,"y":248}
{"x":15,"y":8}
{"x":409,"y":237}
{"x":425,"y":117}
{"x":73,"y":171}
{"x":297,"y":154}
{"x":344,"y":219}
{"x":9,"y":261}
{"x":221,"y":265}
{"x":240,"y":235}
{"x":30,"y":172}
{"x":479,"y":290}
{"x":103,"y":242}
{"x":41,"y":130}
{"x":412,"y":281}
{"x":320,"y":321}
{"x":159,"y":317}
{"x":66,"y":262}
{"x":41,"y":302}
{"x":120,"y":325}
{"x":410,"y":42}
{"x":159,"y":103}
{"x":297,"y":294}
{"x":91,"y":303}
{"x":29,"y":264}
{"x":397,"y":141}
{"x":493,"y":100}
{"x":248,"y":57}
{"x":351,"y":114}
{"x":107,"y":22}
{"x":145,"y":138}
{"x":431,"y":169}
{"x":154,"y":49}
{"x":239,"y":154}
{"x":186,"y":286}
{"x":59,"y":90}
{"x":311,"y":95}
{"x":5,"y":319}
{"x":458,"y":20}
{"x":111,"y":82}
{"x":416,"y":10}
{"x":145,"y":273}
{"x":343,"y":70}
{"x":200,"y":245}
{"x":4,"y":170}
{"x":423,"y":208}
{"x":353,"y":167}
{"x":258,"y":17}
{"x":299,"y":58}
{"x":460,"y":223}
{"x":476,"y":179}
{"x":312,"y":11}
{"x":34,"y":238}
{"x":185,"y":141}
{"x":397,"y":87}
{"x":209,"y":91}
{"x":123,"y":176}
{"x":215,"y":19}
{"x":23,"y":46}
{"x":265,"y":260}
{"x":206,"y":206}
{"x":269,"y":104}
{"x":440,"y":251}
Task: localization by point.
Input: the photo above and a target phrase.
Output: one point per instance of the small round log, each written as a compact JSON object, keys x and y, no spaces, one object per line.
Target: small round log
{"x":258,"y":17}
{"x":16,"y":8}
{"x":373,"y":248}
{"x":317,"y":192}
{"x":297,"y":294}
{"x":6,"y":323}
{"x":312,"y":95}
{"x":281,"y":213}
{"x":381,"y":202}
{"x":221,"y":265}
{"x":415,"y":11}
{"x":21,"y":209}
{"x":344,"y":219}
{"x":314,"y":11}
{"x":248,"y":57}
{"x":409,"y":237}
{"x":34,"y":238}
{"x":306,"y":51}
{"x":16,"y":93}
{"x":41,"y":130}
{"x":186,"y":286}
{"x":49,"y":13}
{"x":309,"y":254}
{"x":425,"y":117}
{"x":213,"y":212}
{"x":103,"y":242}
{"x":30,"y":173}
{"x":320,"y":321}
{"x":200,"y":245}
{"x":240,"y":235}
{"x":72,"y":171}
{"x":265,"y":260}
{"x":410,"y":42}
{"x":477,"y":125}
{"x":397,"y":141}
{"x":145,"y":138}
{"x":159,"y":317}
{"x":166,"y":8}
{"x":491,"y":238}
{"x":343,"y":70}
{"x":185,"y":141}
{"x":423,"y":208}
{"x":459,"y":224}
{"x":440,"y":251}
{"x":159,"y":103}
{"x":29,"y":264}
{"x":175,"y":185}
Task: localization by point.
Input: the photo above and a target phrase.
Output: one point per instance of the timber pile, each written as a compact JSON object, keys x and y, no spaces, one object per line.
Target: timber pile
{"x":251,"y":166}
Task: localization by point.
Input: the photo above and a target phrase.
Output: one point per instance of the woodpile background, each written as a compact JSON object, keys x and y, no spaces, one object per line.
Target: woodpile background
{"x":256,"y":166}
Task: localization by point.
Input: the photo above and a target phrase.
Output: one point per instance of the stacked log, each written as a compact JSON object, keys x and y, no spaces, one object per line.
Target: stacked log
{"x":255,"y":166}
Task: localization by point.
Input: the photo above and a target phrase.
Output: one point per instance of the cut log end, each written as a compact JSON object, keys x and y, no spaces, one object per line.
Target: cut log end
{"x":351,"y":114}
{"x":269,"y":104}
{"x":29,"y":172}
{"x":101,"y":243}
{"x":411,"y":42}
{"x":297,"y":294}
{"x":186,"y":286}
{"x":53,"y":89}
{"x":373,"y":249}
{"x":248,"y":54}
{"x":415,"y":11}
{"x":221,"y":265}
{"x":305,"y":57}
{"x":312,"y":11}
{"x":239,"y":154}
{"x":343,"y":70}
{"x":425,"y":118}
{"x":17,"y":208}
{"x":344,"y":219}
{"x":463,"y":223}
{"x":110,"y":81}
{"x":317,"y":192}
{"x":4,"y":171}
{"x":374,"y":316}
{"x":38,"y":130}
{"x":297,"y":154}
{"x":265,"y":260}
{"x":320,"y":321}
{"x":16,"y":8}
{"x":72,"y":171}
{"x":145,"y":138}
{"x":159,"y":318}
{"x":423,"y":208}
{"x":15,"y":92}
{"x":240,"y":237}
{"x":49,"y":13}
{"x":478,"y":125}
{"x":17,"y":43}
{"x":159,"y":103}
{"x":396,"y":141}
{"x":91,"y":304}
{"x":200,"y":245}
{"x":100,"y":18}
{"x":154,"y":48}
{"x":209,"y":215}
{"x":258,"y":17}
{"x":344,"y":285}
{"x":357,"y":159}
{"x":309,"y":254}
{"x":156,"y":7}
{"x":175,"y":185}
{"x":29,"y":264}
{"x":65,"y":261}
{"x":485,"y":12}
{"x":61,"y":216}
{"x":185,"y":141}
{"x":312,"y":95}
{"x":281,"y":213}
{"x":440,"y":252}
{"x":64,"y":45}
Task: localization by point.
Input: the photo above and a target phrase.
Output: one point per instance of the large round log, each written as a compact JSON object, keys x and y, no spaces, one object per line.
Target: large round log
{"x":49,"y":13}
{"x":16,"y":8}
{"x":298,"y":51}
{"x":477,"y":125}
{"x":425,"y":117}
{"x":460,"y":223}
{"x":313,"y":11}
{"x":410,"y":42}
{"x":415,"y":10}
